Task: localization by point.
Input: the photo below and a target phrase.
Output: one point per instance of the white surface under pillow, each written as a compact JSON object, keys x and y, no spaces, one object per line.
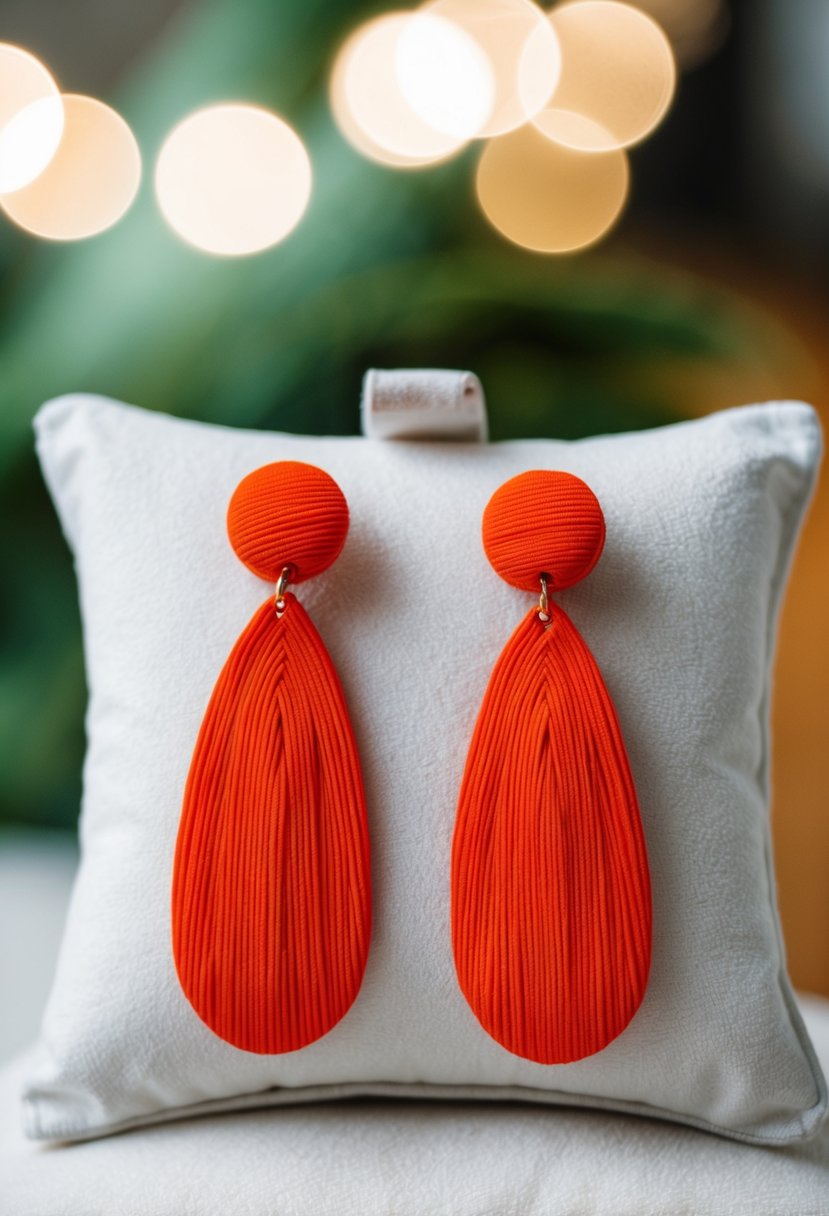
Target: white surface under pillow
{"x":680,"y":613}
{"x":414,"y":1159}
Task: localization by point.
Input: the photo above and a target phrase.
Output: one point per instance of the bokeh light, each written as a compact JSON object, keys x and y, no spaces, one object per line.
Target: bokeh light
{"x":547,"y":197}
{"x":522,"y":49}
{"x":31,"y":118}
{"x":617,"y":76}
{"x":233,"y":179}
{"x":350,"y":129}
{"x":90,"y":181}
{"x":444,"y":76}
{"x":369,"y":104}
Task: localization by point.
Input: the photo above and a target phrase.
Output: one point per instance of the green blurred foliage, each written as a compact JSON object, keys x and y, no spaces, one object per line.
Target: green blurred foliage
{"x":387,"y":269}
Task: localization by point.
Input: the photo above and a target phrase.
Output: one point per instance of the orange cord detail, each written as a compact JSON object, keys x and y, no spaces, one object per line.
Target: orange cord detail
{"x":287,"y":514}
{"x":551,"y":902}
{"x":543,"y":523}
{"x":271,"y":903}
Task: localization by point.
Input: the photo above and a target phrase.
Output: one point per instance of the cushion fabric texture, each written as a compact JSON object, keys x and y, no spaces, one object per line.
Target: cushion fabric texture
{"x":383,"y":1158}
{"x":680,"y":614}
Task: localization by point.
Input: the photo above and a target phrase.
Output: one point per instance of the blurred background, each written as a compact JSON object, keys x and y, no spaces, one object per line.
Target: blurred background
{"x":710,"y":291}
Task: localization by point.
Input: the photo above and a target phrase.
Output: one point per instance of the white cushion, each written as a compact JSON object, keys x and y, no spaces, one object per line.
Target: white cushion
{"x":413,"y":1159}
{"x":680,"y":613}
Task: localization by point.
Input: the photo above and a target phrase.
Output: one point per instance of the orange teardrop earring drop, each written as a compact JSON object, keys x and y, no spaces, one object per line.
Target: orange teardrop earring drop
{"x":551,"y":902}
{"x":271,"y":905}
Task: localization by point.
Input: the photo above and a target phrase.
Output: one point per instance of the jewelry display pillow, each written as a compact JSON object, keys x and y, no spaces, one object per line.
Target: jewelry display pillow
{"x":680,"y":613}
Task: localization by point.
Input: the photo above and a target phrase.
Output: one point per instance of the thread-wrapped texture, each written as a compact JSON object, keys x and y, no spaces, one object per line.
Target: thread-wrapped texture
{"x":551,"y":905}
{"x":543,"y":522}
{"x":287,"y":514}
{"x":271,"y":902}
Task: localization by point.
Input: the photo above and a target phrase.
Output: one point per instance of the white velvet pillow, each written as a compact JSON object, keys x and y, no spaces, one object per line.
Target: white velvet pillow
{"x":680,"y":613}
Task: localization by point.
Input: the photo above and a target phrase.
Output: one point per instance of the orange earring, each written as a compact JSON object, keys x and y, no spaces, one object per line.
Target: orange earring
{"x":271,"y":904}
{"x":551,"y":901}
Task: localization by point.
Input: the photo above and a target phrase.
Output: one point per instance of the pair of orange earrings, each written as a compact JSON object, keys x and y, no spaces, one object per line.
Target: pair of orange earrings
{"x":551,"y":907}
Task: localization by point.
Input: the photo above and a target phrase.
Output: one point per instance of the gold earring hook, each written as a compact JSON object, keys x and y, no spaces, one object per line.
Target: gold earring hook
{"x":281,"y":587}
{"x":544,"y":613}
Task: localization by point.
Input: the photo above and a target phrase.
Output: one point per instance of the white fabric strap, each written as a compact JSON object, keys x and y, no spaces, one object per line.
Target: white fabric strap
{"x":423,"y":404}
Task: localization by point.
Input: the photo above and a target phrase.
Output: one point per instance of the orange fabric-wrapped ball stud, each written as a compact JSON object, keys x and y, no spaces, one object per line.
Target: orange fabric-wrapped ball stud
{"x":287,"y":514}
{"x":543,"y":522}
